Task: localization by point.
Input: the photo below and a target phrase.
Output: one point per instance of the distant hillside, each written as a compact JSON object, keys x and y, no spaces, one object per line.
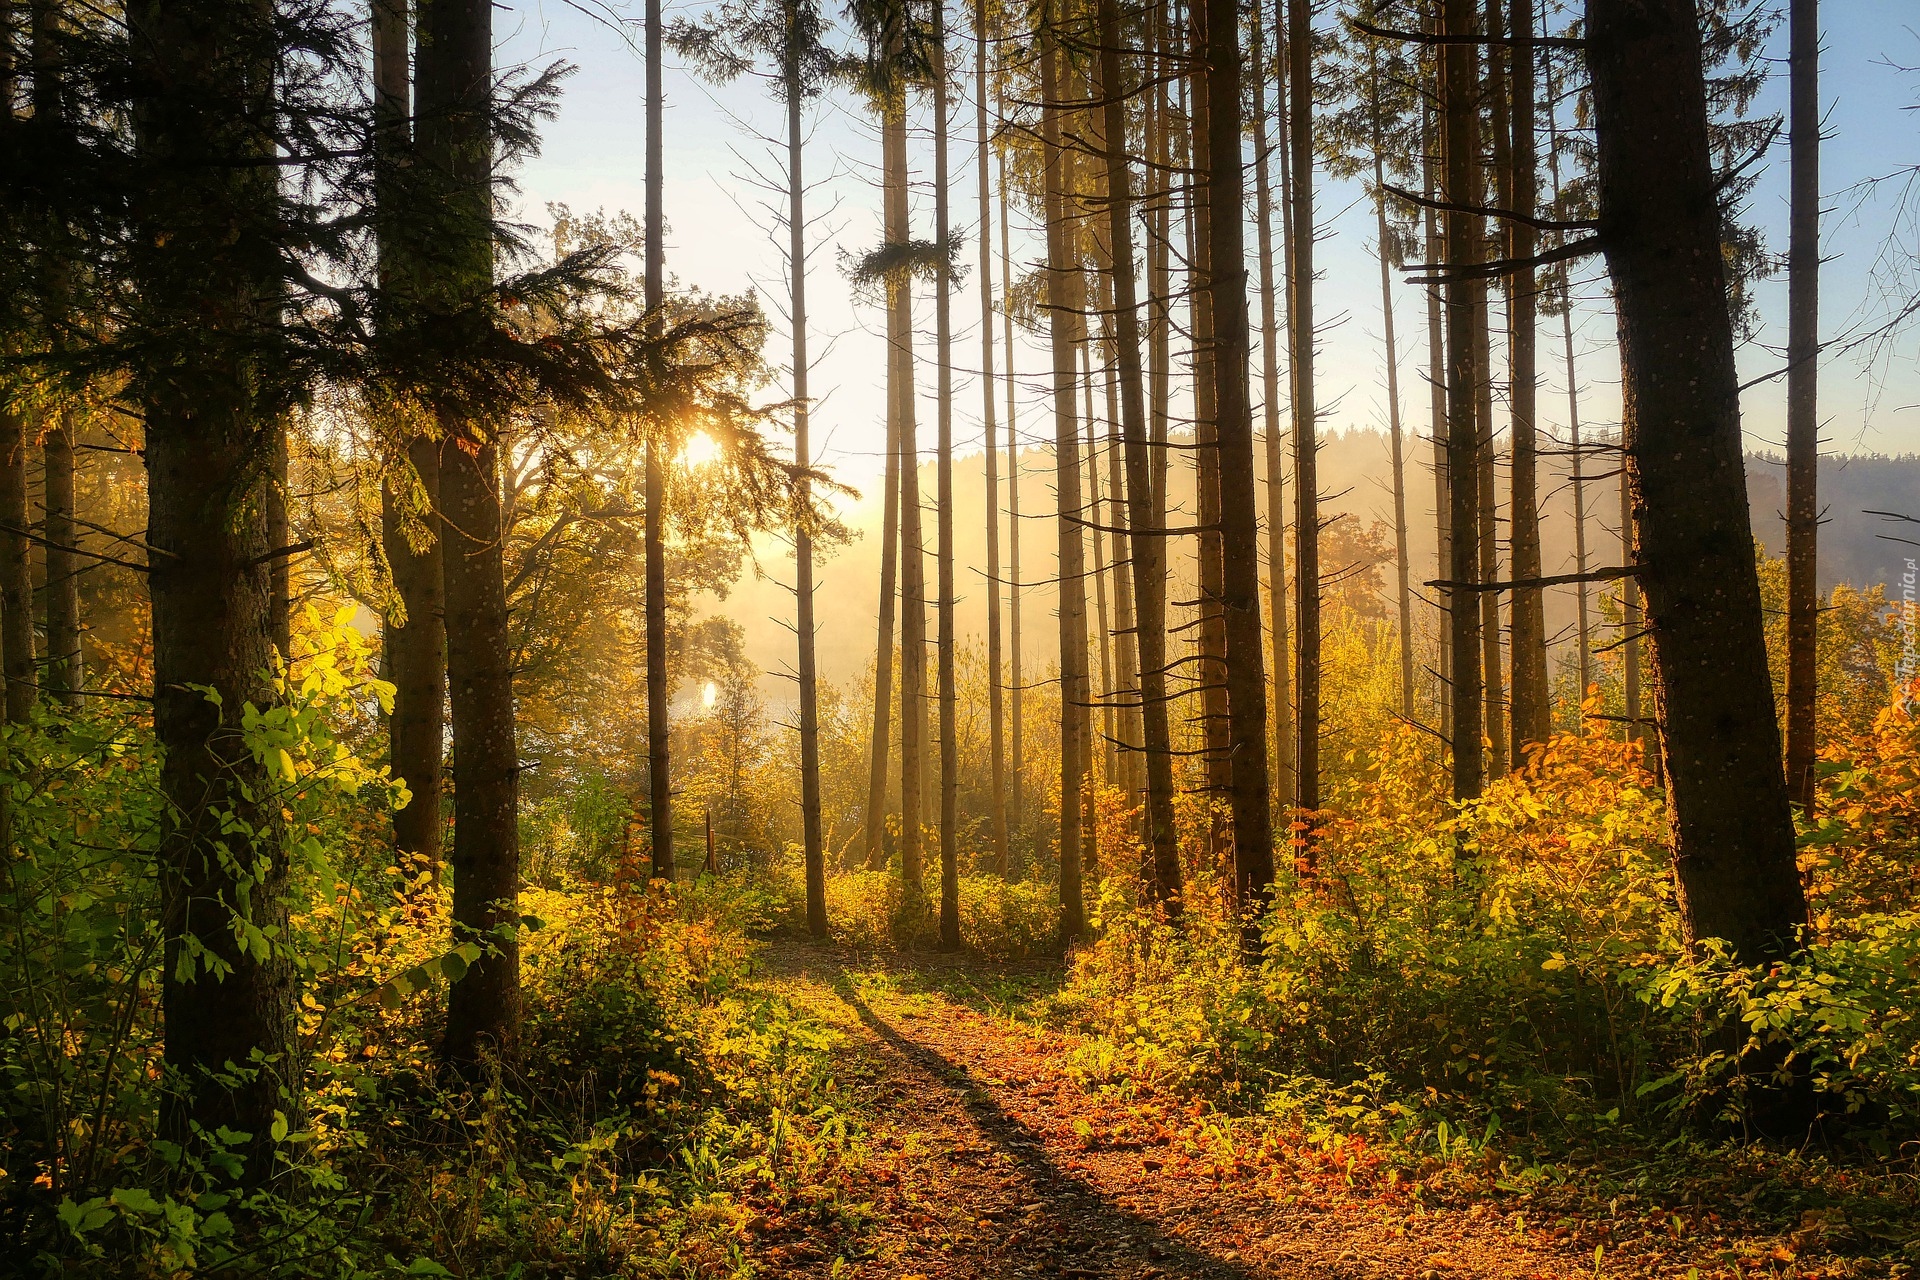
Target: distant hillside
{"x":1853,"y":545}
{"x":1355,"y":477}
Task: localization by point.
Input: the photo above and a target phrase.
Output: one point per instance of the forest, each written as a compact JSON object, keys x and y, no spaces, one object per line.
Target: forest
{"x":1248,"y":837}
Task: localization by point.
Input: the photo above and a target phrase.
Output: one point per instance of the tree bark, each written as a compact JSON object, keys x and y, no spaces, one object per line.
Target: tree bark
{"x":943,"y":343}
{"x":1532,"y":696}
{"x":483,"y":1007}
{"x":1016,"y":817}
{"x":1283,"y":732}
{"x":1402,"y":570}
{"x":1803,"y":398}
{"x":1632,"y":623}
{"x":16,"y":571}
{"x":1102,"y":637}
{"x":279,"y":538}
{"x":813,"y":839}
{"x":416,"y":648}
{"x":1306,"y":438}
{"x":1159,"y":195}
{"x":1064,"y":322}
{"x":1147,"y":547}
{"x":989,"y":433}
{"x":881,"y":739}
{"x":222,"y":855}
{"x":1498,"y":175}
{"x":455,"y":144}
{"x":417,"y":663}
{"x":1437,"y":425}
{"x":64,"y":676}
{"x":65,"y":672}
{"x":659,"y":688}
{"x":1215,"y":720}
{"x":1731,"y":828}
{"x":210,"y":596}
{"x":1492,"y":668}
{"x":913,"y":554}
{"x":1583,"y":600}
{"x":1126,"y":657}
{"x":1252,"y":797}
{"x":1126,"y":635}
{"x":1465,"y":301}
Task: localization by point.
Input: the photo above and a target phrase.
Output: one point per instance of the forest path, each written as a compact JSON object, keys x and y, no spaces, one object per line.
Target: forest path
{"x":988,"y":1159}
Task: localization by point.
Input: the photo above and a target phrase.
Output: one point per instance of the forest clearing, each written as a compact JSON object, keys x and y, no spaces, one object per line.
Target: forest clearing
{"x":907,"y":640}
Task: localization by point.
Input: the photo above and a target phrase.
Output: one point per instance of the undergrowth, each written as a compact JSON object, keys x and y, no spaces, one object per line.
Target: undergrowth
{"x":667,"y":1103}
{"x":1498,"y":1001}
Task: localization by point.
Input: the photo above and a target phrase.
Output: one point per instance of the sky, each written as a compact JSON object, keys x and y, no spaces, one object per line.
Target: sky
{"x":723,"y":238}
{"x":722,"y":174}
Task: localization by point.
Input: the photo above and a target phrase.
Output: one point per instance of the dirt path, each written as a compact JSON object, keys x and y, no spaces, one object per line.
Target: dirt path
{"x":990,"y":1161}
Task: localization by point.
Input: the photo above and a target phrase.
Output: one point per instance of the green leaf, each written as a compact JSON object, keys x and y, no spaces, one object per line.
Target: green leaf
{"x":137,"y":1199}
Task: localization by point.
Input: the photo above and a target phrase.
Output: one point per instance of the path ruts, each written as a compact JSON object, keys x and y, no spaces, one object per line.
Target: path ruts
{"x":988,"y":1160}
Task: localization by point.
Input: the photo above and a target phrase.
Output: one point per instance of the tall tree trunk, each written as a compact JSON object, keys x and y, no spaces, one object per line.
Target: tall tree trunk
{"x":16,"y":550}
{"x":913,"y":551}
{"x":455,"y":144}
{"x":16,"y":571}
{"x":483,"y":1007}
{"x":1212,"y":667}
{"x":64,"y":670}
{"x":1016,"y":816}
{"x":1532,"y":696}
{"x":1731,"y":828}
{"x":279,"y":544}
{"x":1064,"y":319}
{"x":1159,"y":196}
{"x":943,"y":342}
{"x":280,"y":539}
{"x":1437,"y":424}
{"x":1252,"y":797}
{"x":1306,"y":441}
{"x":881,"y":739}
{"x":813,"y":840}
{"x":1095,"y":517}
{"x":1147,"y":547}
{"x":1126,"y":639}
{"x":1283,"y":733}
{"x":210,"y":594}
{"x":222,"y":855}
{"x":1632,"y":622}
{"x":1402,"y":569}
{"x":1111,"y":519}
{"x":996,"y":713}
{"x":417,"y":660}
{"x":659,"y":689}
{"x":1575,"y":450}
{"x":1493,"y":90}
{"x":1803,"y":397}
{"x":1584,"y":615}
{"x":1465,"y":303}
{"x":416,"y":647}
{"x":64,"y":676}
{"x":1492,"y":668}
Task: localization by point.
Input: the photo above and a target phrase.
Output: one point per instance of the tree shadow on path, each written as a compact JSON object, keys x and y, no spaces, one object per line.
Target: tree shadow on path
{"x":1106,"y":1238}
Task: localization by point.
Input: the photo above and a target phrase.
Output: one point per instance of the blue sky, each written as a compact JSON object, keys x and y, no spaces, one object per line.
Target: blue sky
{"x":722,"y":239}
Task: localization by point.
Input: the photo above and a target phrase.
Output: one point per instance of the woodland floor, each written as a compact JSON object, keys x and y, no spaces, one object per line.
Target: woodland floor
{"x":988,"y":1159}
